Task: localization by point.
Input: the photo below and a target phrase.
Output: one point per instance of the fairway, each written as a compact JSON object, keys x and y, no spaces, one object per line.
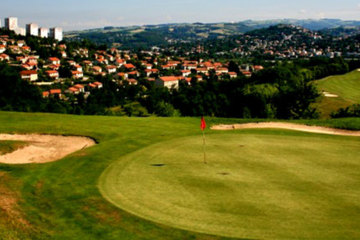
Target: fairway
{"x":346,"y":87}
{"x":272,"y":184}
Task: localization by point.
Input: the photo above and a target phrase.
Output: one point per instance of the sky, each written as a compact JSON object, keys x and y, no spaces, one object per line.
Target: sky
{"x":85,"y":14}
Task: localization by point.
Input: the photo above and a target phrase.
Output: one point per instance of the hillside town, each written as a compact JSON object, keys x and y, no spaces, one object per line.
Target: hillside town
{"x":81,"y":77}
{"x":278,"y":42}
{"x":74,"y":72}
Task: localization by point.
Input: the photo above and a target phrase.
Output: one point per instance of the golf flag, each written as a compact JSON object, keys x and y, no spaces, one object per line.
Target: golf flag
{"x":203,"y":124}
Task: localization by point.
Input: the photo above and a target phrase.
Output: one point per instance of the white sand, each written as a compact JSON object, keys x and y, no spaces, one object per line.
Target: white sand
{"x":291,"y":126}
{"x":43,"y":148}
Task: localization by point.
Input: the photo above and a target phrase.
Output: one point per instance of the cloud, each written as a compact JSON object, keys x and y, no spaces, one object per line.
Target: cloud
{"x":303,"y":11}
{"x":321,"y":15}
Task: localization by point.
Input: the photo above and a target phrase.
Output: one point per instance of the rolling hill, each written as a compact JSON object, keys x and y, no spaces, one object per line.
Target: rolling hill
{"x":154,"y":35}
{"x":338,"y":92}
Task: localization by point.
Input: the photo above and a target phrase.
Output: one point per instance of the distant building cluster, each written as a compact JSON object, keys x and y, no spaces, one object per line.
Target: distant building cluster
{"x":33,"y":29}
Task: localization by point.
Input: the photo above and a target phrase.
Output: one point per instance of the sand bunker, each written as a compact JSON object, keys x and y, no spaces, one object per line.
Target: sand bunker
{"x":43,"y":148}
{"x":330,"y":95}
{"x":291,"y":126}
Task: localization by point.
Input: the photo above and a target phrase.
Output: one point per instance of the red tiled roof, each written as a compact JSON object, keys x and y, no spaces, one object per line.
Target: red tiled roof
{"x":129,"y":65}
{"x":55,"y":91}
{"x":169,"y":78}
{"x":78,"y":86}
{"x":28,"y":72}
{"x":72,"y":89}
{"x":53,"y":59}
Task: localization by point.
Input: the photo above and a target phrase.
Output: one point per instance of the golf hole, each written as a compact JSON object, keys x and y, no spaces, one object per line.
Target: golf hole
{"x":157,"y":165}
{"x":224,"y":173}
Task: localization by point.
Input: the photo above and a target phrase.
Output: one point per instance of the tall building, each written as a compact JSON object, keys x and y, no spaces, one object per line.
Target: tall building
{"x":11,"y":23}
{"x":32,"y":29}
{"x":43,"y":32}
{"x":56,"y":33}
{"x":20,"y":31}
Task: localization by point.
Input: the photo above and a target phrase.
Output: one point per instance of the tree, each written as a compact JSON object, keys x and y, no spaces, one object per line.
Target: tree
{"x":17,"y":94}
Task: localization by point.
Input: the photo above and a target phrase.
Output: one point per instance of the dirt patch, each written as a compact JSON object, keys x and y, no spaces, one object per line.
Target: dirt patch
{"x":290,"y":126}
{"x":43,"y":148}
{"x":9,"y":209}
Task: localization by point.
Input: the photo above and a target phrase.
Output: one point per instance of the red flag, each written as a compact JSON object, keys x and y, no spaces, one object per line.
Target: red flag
{"x":203,"y":124}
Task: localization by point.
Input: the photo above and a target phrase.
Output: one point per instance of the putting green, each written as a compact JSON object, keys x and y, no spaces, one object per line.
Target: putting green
{"x":273,"y":184}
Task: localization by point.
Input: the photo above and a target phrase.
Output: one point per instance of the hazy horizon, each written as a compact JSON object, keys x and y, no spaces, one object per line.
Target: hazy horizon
{"x":80,"y":15}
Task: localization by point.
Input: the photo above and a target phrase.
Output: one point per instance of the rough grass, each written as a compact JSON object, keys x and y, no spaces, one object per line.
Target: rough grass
{"x":61,"y":200}
{"x":345,"y":86}
{"x":10,"y":146}
{"x":260,"y":184}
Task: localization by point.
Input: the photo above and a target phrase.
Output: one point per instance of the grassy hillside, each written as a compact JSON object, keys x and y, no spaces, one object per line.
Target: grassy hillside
{"x":10,"y":146}
{"x":61,"y":200}
{"x":346,"y":87}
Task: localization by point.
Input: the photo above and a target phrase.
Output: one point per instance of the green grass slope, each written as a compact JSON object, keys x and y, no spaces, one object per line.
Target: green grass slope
{"x":346,"y":86}
{"x":62,"y":200}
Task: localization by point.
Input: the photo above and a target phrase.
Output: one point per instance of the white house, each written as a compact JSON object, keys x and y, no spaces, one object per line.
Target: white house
{"x":52,"y":74}
{"x":29,"y":75}
{"x":168,"y":82}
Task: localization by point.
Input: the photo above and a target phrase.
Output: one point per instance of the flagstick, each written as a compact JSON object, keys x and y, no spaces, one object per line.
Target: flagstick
{"x":204,"y":145}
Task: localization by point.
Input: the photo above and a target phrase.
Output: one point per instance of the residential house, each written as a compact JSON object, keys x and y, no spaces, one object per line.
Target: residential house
{"x":4,"y":57}
{"x":168,"y":82}
{"x":63,"y":54}
{"x":222,"y":70}
{"x":151,"y":71}
{"x":56,"y":92}
{"x":246,"y":73}
{"x":202,"y":70}
{"x":2,"y":48}
{"x":78,"y":68}
{"x":98,"y":84}
{"x":80,"y":87}
{"x":54,"y":60}
{"x":77,"y":74}
{"x":73,"y":90}
{"x":111,"y":69}
{"x":258,"y":68}
{"x":132,"y":81}
{"x":129,"y":66}
{"x":233,"y":74}
{"x":185,"y":73}
{"x":29,"y":75}
{"x":87,"y":63}
{"x":123,"y":75}
{"x":97,"y":69}
{"x":45,"y":94}
{"x":26,"y":49}
{"x":53,"y":74}
{"x":120,"y":62}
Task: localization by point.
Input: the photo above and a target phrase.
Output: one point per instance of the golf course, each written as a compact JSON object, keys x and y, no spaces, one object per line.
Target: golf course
{"x":148,"y":178}
{"x":339,"y":91}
